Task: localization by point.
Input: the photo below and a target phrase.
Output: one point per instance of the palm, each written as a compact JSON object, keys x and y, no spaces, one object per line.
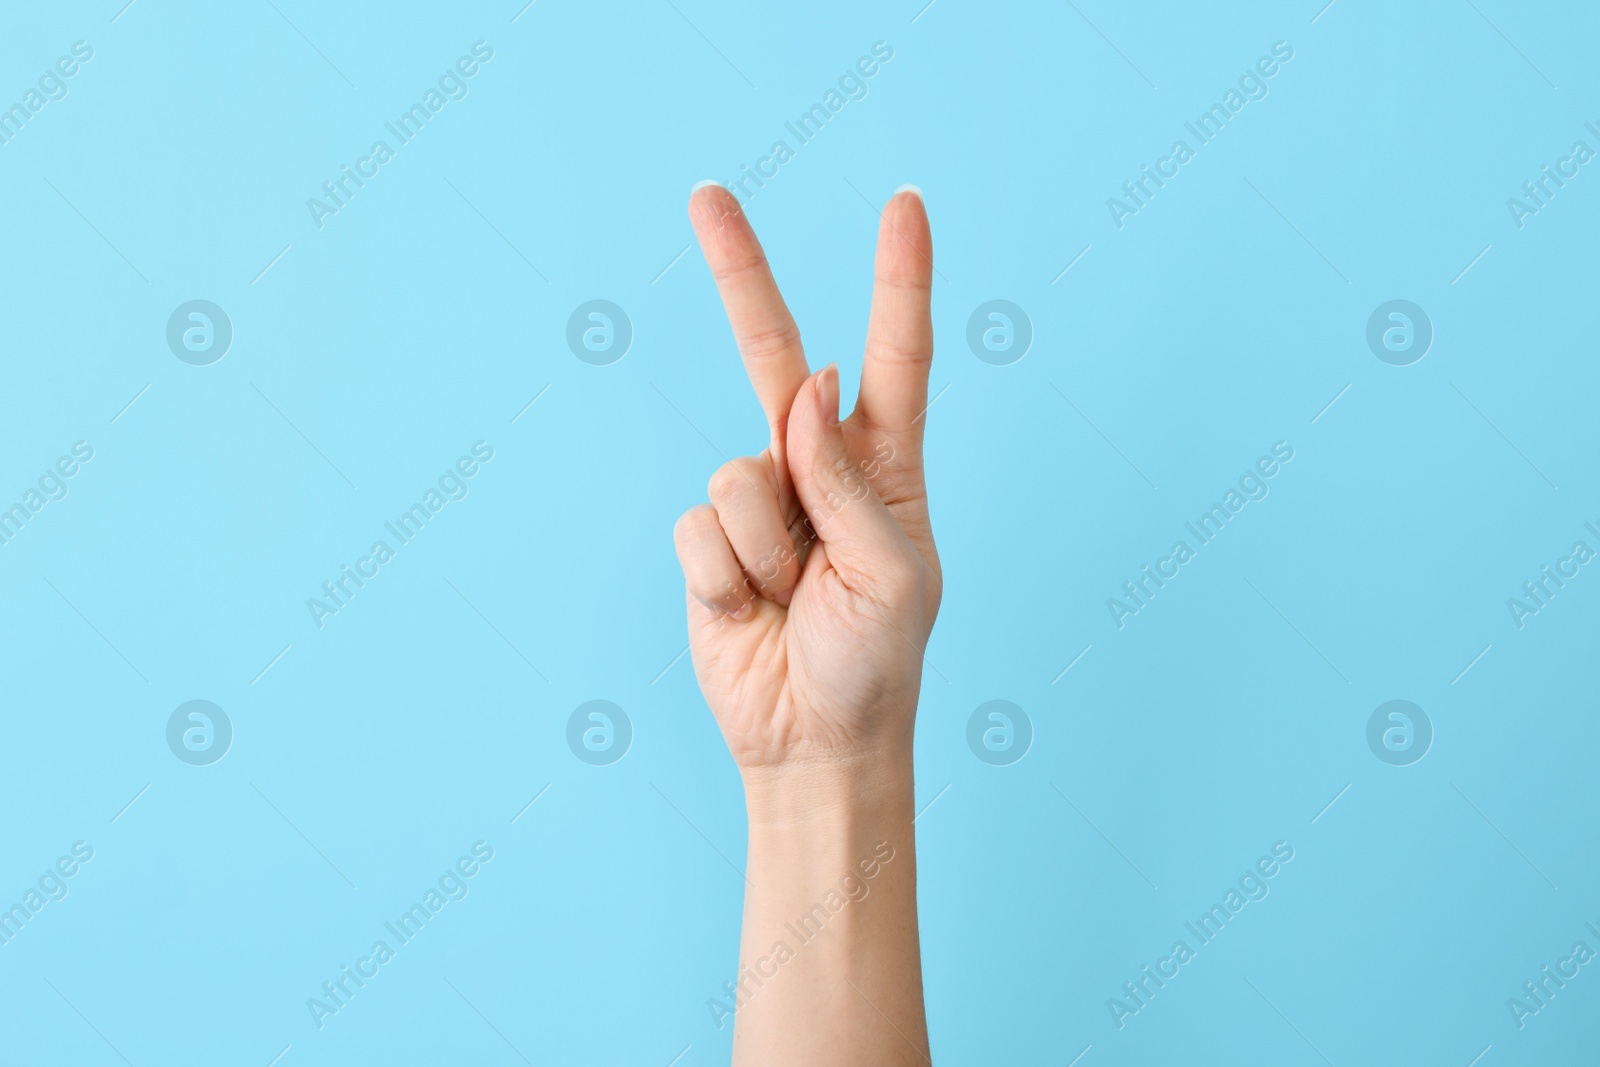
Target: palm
{"x":812,"y":577}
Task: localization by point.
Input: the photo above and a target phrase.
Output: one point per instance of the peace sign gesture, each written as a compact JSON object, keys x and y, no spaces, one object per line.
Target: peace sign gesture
{"x":812,"y":577}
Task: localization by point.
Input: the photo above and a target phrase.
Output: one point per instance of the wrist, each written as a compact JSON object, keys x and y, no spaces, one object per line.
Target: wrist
{"x":832,"y":793}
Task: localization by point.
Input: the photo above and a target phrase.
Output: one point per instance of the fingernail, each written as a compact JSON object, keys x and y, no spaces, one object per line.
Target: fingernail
{"x":697,"y":186}
{"x":908,"y":188}
{"x":828,"y":394}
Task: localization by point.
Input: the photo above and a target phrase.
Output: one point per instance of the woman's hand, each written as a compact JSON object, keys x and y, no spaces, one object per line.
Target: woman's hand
{"x":812,"y":577}
{"x":813,"y":584}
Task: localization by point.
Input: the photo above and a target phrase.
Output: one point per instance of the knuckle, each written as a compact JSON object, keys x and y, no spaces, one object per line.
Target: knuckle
{"x":737,"y":265}
{"x":693,"y":523}
{"x":733,"y":480}
{"x":770,"y":341}
{"x":900,"y":348}
{"x":911,"y":276}
{"x":724,"y":483}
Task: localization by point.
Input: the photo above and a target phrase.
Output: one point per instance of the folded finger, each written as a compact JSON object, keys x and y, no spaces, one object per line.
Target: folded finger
{"x":711,"y":571}
{"x":745,"y":496}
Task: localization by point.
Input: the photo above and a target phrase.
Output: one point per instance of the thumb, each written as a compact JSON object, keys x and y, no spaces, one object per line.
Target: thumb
{"x":864,"y":542}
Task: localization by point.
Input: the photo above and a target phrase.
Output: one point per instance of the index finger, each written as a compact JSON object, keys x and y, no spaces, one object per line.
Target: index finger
{"x":768,"y":339}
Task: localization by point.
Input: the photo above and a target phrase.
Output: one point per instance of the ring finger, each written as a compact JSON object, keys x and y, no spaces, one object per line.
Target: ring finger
{"x":745,"y":495}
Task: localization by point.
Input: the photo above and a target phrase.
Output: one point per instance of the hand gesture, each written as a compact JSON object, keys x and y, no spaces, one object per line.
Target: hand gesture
{"x":812,"y":577}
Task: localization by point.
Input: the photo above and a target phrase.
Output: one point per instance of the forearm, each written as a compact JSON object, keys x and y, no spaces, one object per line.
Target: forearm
{"x":830,"y":969}
{"x":814,"y":680}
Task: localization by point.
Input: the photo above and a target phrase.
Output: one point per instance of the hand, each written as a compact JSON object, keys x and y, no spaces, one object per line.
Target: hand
{"x":812,"y":577}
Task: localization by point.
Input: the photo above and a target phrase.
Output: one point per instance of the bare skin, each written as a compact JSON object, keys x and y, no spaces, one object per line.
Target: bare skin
{"x":813,"y":583}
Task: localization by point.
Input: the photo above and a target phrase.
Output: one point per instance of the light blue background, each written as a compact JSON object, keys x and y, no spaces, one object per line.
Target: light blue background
{"x":1224,"y":317}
